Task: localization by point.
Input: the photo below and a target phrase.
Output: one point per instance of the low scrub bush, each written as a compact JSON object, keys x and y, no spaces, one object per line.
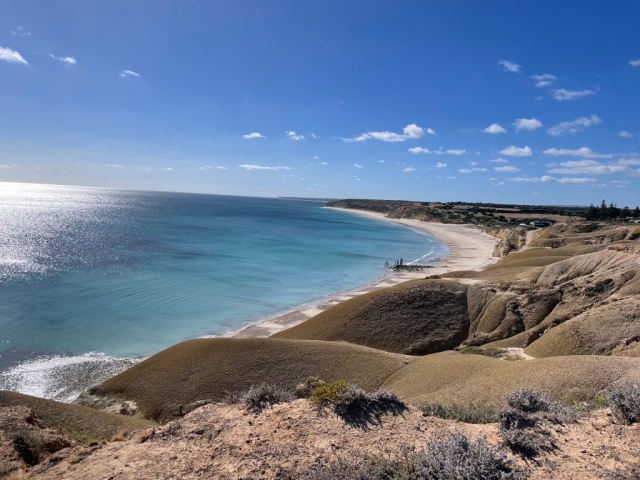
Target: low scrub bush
{"x":537,"y":403}
{"x":625,"y":403}
{"x":355,"y":399}
{"x":355,"y":405}
{"x":457,"y":457}
{"x":29,"y":447}
{"x":257,"y":398}
{"x":522,"y":423}
{"x":452,"y":458}
{"x":462,"y":413}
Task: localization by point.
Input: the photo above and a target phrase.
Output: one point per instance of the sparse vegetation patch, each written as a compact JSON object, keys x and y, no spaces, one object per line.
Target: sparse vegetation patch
{"x":452,"y":458}
{"x":260,"y":397}
{"x":469,"y":413}
{"x":625,"y":403}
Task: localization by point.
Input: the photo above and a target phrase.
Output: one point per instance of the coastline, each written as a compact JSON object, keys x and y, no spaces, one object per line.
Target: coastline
{"x":469,"y":249}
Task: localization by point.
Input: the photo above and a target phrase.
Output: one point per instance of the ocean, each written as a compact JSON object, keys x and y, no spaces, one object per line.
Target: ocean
{"x":92,"y":280}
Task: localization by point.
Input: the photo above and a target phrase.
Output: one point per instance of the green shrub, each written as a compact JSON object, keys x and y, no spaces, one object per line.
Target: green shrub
{"x":309,"y":385}
{"x":625,"y":403}
{"x":462,"y":413}
{"x":328,"y":394}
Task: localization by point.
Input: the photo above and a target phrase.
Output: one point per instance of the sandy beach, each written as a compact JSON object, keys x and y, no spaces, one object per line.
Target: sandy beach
{"x":469,"y":249}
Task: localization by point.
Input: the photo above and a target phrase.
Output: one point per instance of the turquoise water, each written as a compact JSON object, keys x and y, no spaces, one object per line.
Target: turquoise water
{"x":125,"y":274}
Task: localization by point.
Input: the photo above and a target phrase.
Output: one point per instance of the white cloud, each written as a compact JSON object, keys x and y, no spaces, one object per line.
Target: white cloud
{"x":497,"y":184}
{"x":513,"y":151}
{"x":450,"y":152}
{"x":357,"y":165}
{"x":324,"y":163}
{"x":356,"y":177}
{"x":506,"y":168}
{"x":113,"y":165}
{"x":6,"y":167}
{"x":544,"y":80}
{"x":20,"y":32}
{"x":440,"y":151}
{"x":294,"y":136}
{"x":67,"y":60}
{"x":409,"y":169}
{"x":315,"y":157}
{"x":414,"y":131}
{"x":619,"y":181}
{"x":380,"y":161}
{"x":479,"y":169}
{"x":465,"y":170}
{"x":221,"y":168}
{"x":473,"y":163}
{"x":527,"y":124}
{"x":441,"y":165}
{"x":510,"y":66}
{"x":494,"y":129}
{"x":360,"y":138}
{"x":583,"y":152}
{"x":11,"y":56}
{"x":631,"y":161}
{"x":499,"y":160}
{"x":452,"y":178}
{"x":260,"y":167}
{"x":431,"y":131}
{"x":415,"y":150}
{"x":635,"y":62}
{"x":574,"y":126}
{"x":129,"y":73}
{"x":254,"y":135}
{"x":313,"y":135}
{"x":564,"y":94}
{"x":168,"y":169}
{"x":588,"y":167}
{"x":411,"y":131}
{"x":546,"y":179}
{"x":625,"y":134}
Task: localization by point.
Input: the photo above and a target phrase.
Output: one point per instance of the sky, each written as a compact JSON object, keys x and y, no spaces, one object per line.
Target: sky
{"x":502,"y":101}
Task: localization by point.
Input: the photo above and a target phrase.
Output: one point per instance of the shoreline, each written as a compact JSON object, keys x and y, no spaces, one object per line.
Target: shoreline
{"x":469,"y":249}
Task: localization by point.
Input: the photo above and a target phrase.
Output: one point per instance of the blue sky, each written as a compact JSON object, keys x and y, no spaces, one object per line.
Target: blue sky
{"x":526,"y":102}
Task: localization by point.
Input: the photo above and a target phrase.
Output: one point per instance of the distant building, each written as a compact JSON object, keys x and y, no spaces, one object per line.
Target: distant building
{"x":540,"y":224}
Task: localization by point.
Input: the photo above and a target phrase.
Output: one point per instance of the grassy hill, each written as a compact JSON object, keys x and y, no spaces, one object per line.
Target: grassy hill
{"x":456,"y":378}
{"x":165,"y":384}
{"x":414,"y":318}
{"x":80,"y":423}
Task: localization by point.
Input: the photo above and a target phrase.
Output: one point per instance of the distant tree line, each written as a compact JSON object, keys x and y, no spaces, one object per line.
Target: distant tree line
{"x":611,"y":212}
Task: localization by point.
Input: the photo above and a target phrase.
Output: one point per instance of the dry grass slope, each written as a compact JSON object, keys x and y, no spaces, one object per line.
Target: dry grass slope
{"x":414,"y":318}
{"x":596,"y":332}
{"x":80,"y":423}
{"x":454,"y":378}
{"x":164,"y":385}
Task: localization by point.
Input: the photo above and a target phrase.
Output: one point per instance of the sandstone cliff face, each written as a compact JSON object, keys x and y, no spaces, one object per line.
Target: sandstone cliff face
{"x":510,"y":239}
